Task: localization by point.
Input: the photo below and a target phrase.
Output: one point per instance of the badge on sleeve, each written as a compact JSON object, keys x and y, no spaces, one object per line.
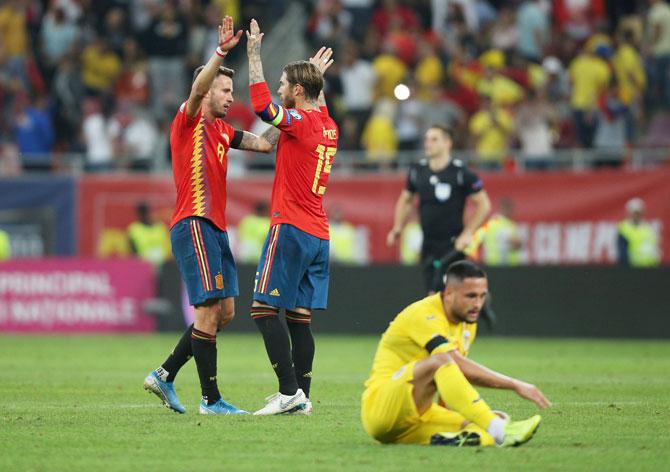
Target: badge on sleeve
{"x":295,"y":114}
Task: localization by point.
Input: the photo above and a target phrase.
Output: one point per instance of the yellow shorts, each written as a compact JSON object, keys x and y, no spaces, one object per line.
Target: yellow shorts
{"x":389,"y":413}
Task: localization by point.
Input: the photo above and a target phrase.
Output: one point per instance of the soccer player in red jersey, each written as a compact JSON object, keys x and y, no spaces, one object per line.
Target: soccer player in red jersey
{"x":199,"y":143}
{"x":293,"y":270}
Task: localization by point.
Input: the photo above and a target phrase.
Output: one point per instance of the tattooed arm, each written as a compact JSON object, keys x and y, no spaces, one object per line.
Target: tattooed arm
{"x":271,"y":135}
{"x":252,"y":142}
{"x":254,"y":38}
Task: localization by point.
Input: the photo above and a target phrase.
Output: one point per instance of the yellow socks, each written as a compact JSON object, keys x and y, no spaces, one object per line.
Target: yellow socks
{"x":457,"y":392}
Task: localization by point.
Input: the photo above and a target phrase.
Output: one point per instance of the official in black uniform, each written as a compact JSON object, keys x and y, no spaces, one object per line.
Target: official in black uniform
{"x":443,"y":185}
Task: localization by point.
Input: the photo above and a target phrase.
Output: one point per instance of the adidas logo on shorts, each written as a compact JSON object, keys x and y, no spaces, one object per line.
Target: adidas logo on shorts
{"x":275,"y":293}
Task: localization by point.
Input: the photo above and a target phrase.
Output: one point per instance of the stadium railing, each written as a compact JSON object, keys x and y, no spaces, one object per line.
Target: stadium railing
{"x":359,"y":162}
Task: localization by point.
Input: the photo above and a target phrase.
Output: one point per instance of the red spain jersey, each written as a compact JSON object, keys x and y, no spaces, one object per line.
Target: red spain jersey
{"x":305,"y":154}
{"x":199,"y":151}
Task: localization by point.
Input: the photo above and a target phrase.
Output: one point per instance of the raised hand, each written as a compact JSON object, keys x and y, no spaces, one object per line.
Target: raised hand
{"x":228,"y":39}
{"x":322,"y":59}
{"x":254,"y":38}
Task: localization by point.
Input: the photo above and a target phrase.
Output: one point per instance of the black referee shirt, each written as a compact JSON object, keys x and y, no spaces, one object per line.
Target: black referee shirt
{"x":442,"y":196}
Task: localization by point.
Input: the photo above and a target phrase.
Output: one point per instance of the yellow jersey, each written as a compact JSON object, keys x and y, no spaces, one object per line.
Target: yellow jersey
{"x":492,"y":140}
{"x":418,"y":331}
{"x":590,"y":76}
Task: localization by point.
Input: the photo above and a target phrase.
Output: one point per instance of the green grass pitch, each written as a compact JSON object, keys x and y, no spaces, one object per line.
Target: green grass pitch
{"x":77,"y":403}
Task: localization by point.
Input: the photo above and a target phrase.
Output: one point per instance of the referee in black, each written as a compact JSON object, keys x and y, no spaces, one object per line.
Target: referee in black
{"x":443,"y":186}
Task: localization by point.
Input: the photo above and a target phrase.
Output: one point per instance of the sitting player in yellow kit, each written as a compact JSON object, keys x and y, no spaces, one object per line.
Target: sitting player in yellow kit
{"x":423,"y":353}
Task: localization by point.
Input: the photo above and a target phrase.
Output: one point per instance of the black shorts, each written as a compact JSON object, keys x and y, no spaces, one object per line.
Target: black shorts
{"x":432,"y":269}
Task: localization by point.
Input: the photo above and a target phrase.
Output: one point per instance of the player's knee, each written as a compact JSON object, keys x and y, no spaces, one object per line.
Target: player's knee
{"x":208,"y":316}
{"x":226,"y":315}
{"x":440,"y":359}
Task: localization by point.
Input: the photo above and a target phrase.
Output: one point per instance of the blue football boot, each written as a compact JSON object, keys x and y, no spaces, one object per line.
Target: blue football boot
{"x":163,"y":390}
{"x":221,"y":407}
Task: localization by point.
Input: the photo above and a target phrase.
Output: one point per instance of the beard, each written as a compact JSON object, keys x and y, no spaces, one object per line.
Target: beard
{"x":288,"y":101}
{"x":465,"y":316}
{"x":220,"y":113}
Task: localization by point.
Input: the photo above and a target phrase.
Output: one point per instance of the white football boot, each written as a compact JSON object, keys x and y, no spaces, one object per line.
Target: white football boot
{"x":277,"y":404}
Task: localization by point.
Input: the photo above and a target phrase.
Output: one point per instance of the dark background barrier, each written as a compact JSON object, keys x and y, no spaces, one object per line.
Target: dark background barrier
{"x":529,"y":301}
{"x":38,"y":213}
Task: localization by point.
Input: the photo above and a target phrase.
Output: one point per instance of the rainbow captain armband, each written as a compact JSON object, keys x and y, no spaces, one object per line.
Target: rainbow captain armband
{"x":264,"y":107}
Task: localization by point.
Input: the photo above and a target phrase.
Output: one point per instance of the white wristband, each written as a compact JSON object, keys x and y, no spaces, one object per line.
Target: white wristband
{"x":220,"y":52}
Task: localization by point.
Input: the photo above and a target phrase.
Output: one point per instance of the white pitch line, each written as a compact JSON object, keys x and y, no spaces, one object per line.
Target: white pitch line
{"x":597,"y":403}
{"x":107,"y":406}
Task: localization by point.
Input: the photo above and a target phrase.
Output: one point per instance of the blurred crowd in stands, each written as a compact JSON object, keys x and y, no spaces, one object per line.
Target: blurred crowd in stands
{"x":103,"y":78}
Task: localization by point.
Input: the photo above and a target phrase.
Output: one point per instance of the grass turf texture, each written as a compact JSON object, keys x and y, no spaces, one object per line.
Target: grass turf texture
{"x":76,"y":403}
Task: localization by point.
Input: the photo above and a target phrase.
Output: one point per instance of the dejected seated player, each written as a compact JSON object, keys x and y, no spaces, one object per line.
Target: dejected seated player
{"x":424,"y":352}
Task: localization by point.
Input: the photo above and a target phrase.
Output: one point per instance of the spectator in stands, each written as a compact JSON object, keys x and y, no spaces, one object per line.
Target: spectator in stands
{"x":578,"y":19}
{"x":429,"y":72}
{"x":610,"y":138}
{"x":5,"y":246}
{"x":358,"y":79}
{"x":252,"y":231}
{"x":379,"y":137}
{"x":14,"y":38}
{"x":13,"y":28}
{"x":493,"y":84}
{"x":505,"y":31}
{"x":58,"y":37}
{"x":534,"y":30}
{"x":590,"y":76}
{"x":536,"y":122}
{"x":461,"y":13}
{"x":101,"y":67}
{"x":149,"y":239}
{"x":557,"y":86}
{"x":409,"y":121}
{"x":33,"y":132}
{"x":330,"y":24}
{"x":491,"y":129}
{"x":115,"y":29}
{"x":658,"y":34}
{"x":404,"y":42}
{"x":390,"y":11}
{"x":390,"y":71}
{"x":165,"y":42}
{"x":100,"y":134}
{"x":637,"y":241}
{"x":133,"y":83}
{"x":632,"y":80}
{"x":138,"y":140}
{"x":438,"y":108}
{"x":67,"y":91}
{"x":203,"y":36}
{"x":361,"y":12}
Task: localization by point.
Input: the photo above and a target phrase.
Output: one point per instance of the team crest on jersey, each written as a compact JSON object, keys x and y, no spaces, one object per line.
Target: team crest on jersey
{"x":466,"y":340}
{"x":442,"y":191}
{"x":399,"y":373}
{"x":295,"y":114}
